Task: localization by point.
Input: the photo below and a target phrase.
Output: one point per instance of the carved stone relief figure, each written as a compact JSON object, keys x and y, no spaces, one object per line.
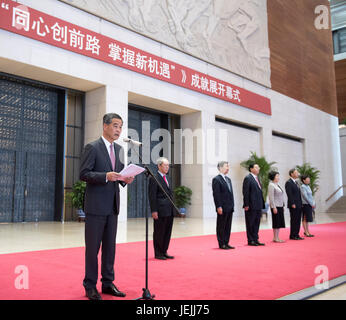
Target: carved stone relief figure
{"x":140,"y":15}
{"x":232,"y":34}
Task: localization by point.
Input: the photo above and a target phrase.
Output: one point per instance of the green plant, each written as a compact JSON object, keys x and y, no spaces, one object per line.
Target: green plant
{"x":265,"y":168}
{"x":182,"y":196}
{"x":76,"y":196}
{"x":312,"y":173}
{"x":343,"y":121}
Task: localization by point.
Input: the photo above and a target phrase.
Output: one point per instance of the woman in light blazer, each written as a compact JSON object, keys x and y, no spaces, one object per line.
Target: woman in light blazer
{"x":276,"y":202}
{"x":308,"y":204}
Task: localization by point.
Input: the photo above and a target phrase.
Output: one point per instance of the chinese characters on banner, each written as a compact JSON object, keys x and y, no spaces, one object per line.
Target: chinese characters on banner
{"x":37,"y":25}
{"x":63,"y":33}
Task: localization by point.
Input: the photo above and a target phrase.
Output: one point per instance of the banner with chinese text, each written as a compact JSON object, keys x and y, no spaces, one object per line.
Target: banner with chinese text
{"x":37,"y":25}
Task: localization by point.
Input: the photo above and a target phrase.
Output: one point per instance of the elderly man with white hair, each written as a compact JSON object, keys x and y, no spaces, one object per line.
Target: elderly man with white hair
{"x":161,"y":210}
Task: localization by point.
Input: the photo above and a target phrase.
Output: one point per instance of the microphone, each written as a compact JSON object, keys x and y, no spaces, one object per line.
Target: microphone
{"x":136,"y":143}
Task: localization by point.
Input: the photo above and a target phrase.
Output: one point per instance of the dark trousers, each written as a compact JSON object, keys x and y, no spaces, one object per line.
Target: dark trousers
{"x":296,"y":217}
{"x":99,"y":229}
{"x":223,"y":227}
{"x":252,"y":220}
{"x":162,"y":234}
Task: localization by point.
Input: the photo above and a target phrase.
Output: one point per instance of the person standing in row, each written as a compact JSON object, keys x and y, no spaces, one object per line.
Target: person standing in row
{"x":224,"y":204}
{"x":253,"y":204}
{"x":294,"y":204}
{"x":101,"y":162}
{"x":162,"y":210}
{"x":308,"y":204}
{"x":276,"y":202}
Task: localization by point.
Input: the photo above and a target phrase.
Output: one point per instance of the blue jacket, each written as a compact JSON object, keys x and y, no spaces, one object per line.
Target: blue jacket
{"x":306,"y":193}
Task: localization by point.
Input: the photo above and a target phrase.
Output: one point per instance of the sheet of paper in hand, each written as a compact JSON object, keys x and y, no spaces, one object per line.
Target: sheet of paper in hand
{"x":131,"y":171}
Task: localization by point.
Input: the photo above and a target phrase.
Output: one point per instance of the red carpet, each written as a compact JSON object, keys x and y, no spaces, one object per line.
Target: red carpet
{"x":199,"y":271}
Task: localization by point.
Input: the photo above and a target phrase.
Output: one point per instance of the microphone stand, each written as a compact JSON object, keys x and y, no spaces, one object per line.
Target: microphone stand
{"x":148,"y":173}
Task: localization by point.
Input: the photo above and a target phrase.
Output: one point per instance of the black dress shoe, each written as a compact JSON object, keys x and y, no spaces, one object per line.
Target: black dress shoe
{"x":113,"y":290}
{"x":308,"y":235}
{"x":168,"y":256}
{"x":253,"y":243}
{"x":160,"y":258}
{"x":224,"y":247}
{"x":296,"y":238}
{"x":93,"y":294}
{"x":259,"y":243}
{"x":229,"y":247}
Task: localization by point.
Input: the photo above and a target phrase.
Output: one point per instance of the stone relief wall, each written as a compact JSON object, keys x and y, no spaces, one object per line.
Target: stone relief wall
{"x":232,"y":34}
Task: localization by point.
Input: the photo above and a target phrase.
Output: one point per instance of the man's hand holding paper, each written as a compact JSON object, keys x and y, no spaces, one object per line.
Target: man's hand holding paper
{"x":127,"y":174}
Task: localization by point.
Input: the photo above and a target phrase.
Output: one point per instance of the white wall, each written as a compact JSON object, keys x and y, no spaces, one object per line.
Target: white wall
{"x":239,"y":144}
{"x":192,"y":174}
{"x":111,"y":86}
{"x":287,"y":154}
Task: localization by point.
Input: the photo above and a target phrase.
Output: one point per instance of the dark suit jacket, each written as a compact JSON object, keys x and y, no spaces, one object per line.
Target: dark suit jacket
{"x":101,"y":197}
{"x":223,"y":197}
{"x":252,"y":194}
{"x":157,"y":199}
{"x":293,"y":194}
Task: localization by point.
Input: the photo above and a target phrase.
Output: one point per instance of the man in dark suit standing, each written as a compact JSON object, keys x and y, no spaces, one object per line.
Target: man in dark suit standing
{"x":253,"y":204}
{"x":294,"y":204}
{"x":101,"y":162}
{"x":224,"y":204}
{"x":161,"y":210}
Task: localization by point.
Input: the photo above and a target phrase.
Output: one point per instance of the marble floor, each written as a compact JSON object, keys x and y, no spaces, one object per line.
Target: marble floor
{"x":337,"y":293}
{"x":20,"y":237}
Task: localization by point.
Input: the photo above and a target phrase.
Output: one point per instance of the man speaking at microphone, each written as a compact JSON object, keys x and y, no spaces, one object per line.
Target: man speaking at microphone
{"x":101,"y":162}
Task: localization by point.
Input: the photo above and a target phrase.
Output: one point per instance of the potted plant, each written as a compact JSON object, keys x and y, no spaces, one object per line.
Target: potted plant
{"x":266,"y":167}
{"x":182,"y":196}
{"x":76,"y":198}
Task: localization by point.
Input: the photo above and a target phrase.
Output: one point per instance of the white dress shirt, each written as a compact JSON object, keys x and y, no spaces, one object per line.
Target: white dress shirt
{"x":257,"y":180}
{"x":108,"y":144}
{"x":223,"y":176}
